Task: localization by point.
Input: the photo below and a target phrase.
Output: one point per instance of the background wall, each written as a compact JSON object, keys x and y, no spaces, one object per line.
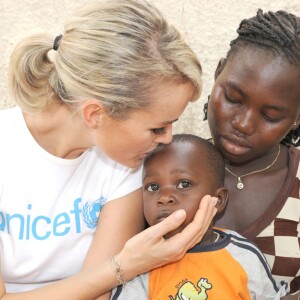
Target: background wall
{"x":208,"y":27}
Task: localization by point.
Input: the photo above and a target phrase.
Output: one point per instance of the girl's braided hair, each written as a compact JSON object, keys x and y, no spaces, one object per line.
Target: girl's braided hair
{"x":278,"y":32}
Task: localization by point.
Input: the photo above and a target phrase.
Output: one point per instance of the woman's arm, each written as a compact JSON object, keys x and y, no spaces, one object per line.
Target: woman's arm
{"x":87,"y":285}
{"x":141,"y":253}
{"x":119,"y":220}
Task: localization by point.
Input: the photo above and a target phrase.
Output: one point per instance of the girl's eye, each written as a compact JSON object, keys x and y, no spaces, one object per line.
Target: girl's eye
{"x":230,"y":99}
{"x":184,"y":184}
{"x":271,"y":120}
{"x":152,"y":187}
{"x":159,"y":131}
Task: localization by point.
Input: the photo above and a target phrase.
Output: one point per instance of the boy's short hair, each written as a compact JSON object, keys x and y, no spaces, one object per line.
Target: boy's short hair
{"x":212,"y":154}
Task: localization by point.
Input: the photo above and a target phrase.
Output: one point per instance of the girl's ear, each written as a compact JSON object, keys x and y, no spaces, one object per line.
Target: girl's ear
{"x":92,"y":112}
{"x":222,"y":195}
{"x":220,"y":67}
{"x":296,"y":124}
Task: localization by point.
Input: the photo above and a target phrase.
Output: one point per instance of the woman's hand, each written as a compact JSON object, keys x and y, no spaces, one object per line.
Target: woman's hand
{"x":141,"y":253}
{"x":149,"y":249}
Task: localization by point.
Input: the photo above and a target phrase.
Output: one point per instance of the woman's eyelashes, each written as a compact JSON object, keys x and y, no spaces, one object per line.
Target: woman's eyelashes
{"x":159,"y":131}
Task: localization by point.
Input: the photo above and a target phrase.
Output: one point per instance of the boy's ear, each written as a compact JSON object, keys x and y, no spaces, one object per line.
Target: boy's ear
{"x":220,"y":67}
{"x":92,"y":111}
{"x":222,"y":195}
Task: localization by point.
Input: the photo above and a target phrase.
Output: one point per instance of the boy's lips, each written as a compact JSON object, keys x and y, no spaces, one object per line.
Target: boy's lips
{"x":162,"y":215}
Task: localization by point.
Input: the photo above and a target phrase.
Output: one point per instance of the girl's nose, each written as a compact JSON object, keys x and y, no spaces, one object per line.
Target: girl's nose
{"x":244,"y":122}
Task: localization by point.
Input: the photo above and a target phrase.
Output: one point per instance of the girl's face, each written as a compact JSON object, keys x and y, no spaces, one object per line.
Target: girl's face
{"x":254,"y":103}
{"x":129,"y":140}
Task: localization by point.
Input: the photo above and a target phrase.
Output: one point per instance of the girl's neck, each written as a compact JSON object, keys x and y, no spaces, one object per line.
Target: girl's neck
{"x":59,"y":130}
{"x":260,"y":162}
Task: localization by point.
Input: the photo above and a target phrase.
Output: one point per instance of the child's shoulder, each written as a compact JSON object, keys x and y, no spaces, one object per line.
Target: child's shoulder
{"x":238,"y":240}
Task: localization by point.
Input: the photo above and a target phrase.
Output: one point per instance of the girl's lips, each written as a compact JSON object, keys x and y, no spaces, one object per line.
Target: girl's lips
{"x":233,"y":147}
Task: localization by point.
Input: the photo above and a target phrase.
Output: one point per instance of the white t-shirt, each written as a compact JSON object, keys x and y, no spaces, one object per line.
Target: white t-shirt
{"x":49,"y":206}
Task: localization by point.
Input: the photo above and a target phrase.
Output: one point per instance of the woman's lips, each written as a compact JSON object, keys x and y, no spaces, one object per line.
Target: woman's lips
{"x":234,"y":147}
{"x":143,"y":155}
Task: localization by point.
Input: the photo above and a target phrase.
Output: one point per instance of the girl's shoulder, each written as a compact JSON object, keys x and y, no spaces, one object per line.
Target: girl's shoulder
{"x":294,"y":160}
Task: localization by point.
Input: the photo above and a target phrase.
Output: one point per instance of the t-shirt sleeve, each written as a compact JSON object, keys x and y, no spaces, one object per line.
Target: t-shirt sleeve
{"x":124,"y":181}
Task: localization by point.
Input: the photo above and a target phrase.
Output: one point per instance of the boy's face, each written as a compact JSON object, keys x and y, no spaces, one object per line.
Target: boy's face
{"x":176,"y":177}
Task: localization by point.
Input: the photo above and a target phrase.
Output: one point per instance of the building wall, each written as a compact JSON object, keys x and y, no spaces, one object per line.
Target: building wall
{"x":208,"y":27}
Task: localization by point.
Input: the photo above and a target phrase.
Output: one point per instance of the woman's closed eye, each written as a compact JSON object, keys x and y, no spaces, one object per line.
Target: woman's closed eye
{"x":159,"y":131}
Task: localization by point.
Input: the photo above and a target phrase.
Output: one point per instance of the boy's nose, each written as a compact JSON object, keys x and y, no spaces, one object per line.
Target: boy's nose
{"x":166,"y":199}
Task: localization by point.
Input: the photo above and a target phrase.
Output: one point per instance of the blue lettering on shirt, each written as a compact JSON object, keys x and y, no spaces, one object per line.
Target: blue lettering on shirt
{"x":42,"y":227}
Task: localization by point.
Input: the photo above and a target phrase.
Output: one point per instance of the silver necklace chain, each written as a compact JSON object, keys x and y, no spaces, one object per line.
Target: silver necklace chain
{"x":240,"y":184}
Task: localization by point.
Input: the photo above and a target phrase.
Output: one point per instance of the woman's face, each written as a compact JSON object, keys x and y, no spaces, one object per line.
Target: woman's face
{"x":254,"y":104}
{"x":128,"y":141}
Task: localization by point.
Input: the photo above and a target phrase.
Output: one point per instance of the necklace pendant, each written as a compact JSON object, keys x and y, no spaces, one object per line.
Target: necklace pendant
{"x":240,"y":185}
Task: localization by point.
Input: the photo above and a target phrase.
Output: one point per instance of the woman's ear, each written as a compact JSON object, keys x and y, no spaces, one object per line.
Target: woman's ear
{"x":92,"y":112}
{"x":220,"y":67}
{"x":222,"y":195}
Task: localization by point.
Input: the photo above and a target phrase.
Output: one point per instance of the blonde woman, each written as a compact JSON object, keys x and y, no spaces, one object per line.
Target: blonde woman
{"x":91,"y":103}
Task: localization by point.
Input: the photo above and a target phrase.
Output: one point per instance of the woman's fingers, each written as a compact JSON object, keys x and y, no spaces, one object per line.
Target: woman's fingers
{"x":194,"y":232}
{"x":149,"y":249}
{"x":207,"y":210}
{"x":167,"y":225}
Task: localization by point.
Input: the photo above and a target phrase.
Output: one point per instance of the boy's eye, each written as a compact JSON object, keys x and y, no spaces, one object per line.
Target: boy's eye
{"x":184,"y":184}
{"x":152,"y":187}
{"x":159,"y":131}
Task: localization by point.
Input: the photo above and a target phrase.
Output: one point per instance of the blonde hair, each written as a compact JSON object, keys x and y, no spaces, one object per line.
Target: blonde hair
{"x":113,"y":51}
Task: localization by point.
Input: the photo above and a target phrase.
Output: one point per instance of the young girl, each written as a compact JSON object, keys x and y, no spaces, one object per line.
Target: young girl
{"x":254,"y":115}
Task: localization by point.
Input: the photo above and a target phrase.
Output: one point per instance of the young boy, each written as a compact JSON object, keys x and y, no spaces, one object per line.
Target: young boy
{"x":224,"y":265}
